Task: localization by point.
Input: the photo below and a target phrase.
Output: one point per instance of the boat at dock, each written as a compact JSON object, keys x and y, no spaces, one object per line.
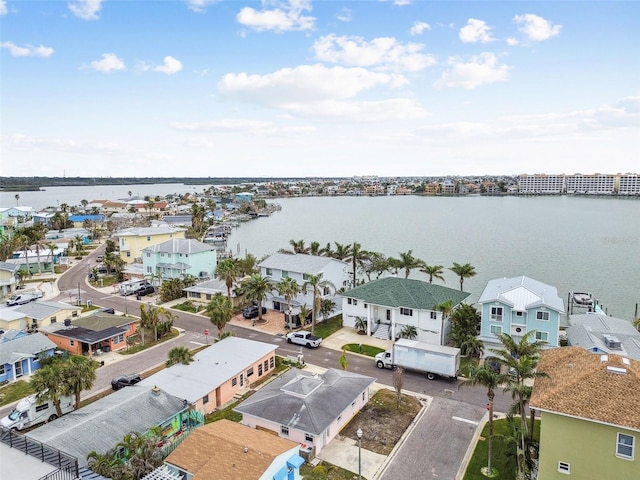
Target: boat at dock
{"x":583,"y":302}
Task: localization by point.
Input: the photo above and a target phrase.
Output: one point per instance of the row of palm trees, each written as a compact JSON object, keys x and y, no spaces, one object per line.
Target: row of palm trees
{"x":376,"y":263}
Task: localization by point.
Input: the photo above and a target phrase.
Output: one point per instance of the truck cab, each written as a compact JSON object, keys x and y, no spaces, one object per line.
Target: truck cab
{"x":384,"y":359}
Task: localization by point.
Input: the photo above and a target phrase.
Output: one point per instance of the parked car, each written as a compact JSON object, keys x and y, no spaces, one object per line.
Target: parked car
{"x":100,"y":258}
{"x":252,"y":311}
{"x":304,"y":338}
{"x":107,"y":310}
{"x":125,"y":381}
{"x":146,"y":290}
{"x":101,"y":268}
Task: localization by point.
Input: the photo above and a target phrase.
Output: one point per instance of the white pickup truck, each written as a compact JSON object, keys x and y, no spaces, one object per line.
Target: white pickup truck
{"x":304,"y":338}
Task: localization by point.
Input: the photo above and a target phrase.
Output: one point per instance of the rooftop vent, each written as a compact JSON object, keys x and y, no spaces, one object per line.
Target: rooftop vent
{"x":604,"y":358}
{"x":618,"y":370}
{"x":612,"y":342}
{"x":626,"y":361}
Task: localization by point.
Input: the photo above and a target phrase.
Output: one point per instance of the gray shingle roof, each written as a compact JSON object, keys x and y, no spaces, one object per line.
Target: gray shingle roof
{"x":588,"y":330}
{"x":299,"y":263}
{"x":102,"y":424}
{"x":304,"y":401}
{"x":522,"y":293}
{"x":21,"y":347}
{"x":40,"y":310}
{"x":404,"y":292}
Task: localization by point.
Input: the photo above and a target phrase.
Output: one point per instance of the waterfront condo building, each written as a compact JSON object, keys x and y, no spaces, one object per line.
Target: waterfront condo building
{"x":541,"y":184}
{"x":596,"y":184}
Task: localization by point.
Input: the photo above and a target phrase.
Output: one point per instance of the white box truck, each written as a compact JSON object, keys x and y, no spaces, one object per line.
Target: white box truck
{"x":434,"y":360}
{"x":24,"y":297}
{"x":29,"y":412}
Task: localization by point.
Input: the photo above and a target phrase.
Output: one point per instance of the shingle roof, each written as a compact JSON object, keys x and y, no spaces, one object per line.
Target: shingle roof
{"x":588,"y":331}
{"x":22,"y":347}
{"x":226,"y":450}
{"x":299,"y":263}
{"x":211,"y":367}
{"x":102,"y":424}
{"x":289,"y":400}
{"x":180,"y":245}
{"x":522,"y":293}
{"x":581,"y":384}
{"x":39,"y":310}
{"x":404,"y":292}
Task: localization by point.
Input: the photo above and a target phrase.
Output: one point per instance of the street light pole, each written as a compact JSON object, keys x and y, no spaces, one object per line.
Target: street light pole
{"x":359,"y":434}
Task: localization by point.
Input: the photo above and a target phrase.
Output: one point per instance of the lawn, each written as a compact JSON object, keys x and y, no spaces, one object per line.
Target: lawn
{"x":327,"y":327}
{"x":15,"y":391}
{"x":368,"y":350}
{"x":325,"y":471}
{"x":502,"y":460}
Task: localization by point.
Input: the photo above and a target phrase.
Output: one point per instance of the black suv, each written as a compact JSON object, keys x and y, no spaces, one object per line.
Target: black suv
{"x":146,"y":290}
{"x":252,"y":311}
{"x":125,"y":381}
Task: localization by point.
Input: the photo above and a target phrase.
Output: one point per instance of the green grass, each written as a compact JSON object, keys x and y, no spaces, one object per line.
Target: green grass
{"x":327,"y":327}
{"x":15,"y":391}
{"x":227,"y":412}
{"x":368,"y":350}
{"x":501,"y":460}
{"x":466,"y":363}
{"x":325,"y":471}
{"x":148,"y":341}
{"x":188,"y":307}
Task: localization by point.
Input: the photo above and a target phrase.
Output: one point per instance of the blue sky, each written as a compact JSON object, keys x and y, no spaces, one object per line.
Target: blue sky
{"x":318,"y":88}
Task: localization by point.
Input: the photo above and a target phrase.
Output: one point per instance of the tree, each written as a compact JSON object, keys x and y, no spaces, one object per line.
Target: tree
{"x":84,"y":204}
{"x":151,"y":316}
{"x":465,"y":324}
{"x":179,"y":355}
{"x":398,"y":381}
{"x":488,"y":378}
{"x":247,"y":265}
{"x":434,"y":271}
{"x":636,"y":323}
{"x":342,"y":251}
{"x":299,"y":246}
{"x":227,"y":271}
{"x":356,"y":255}
{"x":375,"y":263}
{"x":220,"y":311}
{"x":360,"y":324}
{"x":314,"y":248}
{"x":463,"y":271}
{"x":445,"y":307}
{"x":288,"y":287}
{"x":17,"y":197}
{"x":318,"y":287}
{"x":80,"y":374}
{"x":408,"y":262}
{"x":256,"y":288}
{"x":344,"y":362}
{"x":303,"y":313}
{"x":48,"y":382}
{"x":326,"y":307}
{"x":409,"y":332}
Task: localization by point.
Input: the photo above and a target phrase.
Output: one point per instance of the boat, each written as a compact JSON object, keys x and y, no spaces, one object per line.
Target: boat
{"x":582,"y":298}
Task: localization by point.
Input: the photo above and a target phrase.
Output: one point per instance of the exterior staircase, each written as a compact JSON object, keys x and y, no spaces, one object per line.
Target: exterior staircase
{"x":382,"y":332}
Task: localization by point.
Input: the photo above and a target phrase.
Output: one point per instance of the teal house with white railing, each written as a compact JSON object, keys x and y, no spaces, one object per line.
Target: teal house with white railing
{"x":179,"y":257}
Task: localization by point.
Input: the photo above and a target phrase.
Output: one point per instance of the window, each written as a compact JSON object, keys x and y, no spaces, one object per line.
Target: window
{"x":148,"y":239}
{"x":519,"y":314}
{"x":53,"y":320}
{"x":272,"y":362}
{"x":355,"y":302}
{"x":406,"y":311}
{"x":624,"y":448}
{"x":306,"y":276}
{"x":205,"y":399}
{"x":542,"y":316}
{"x":269,"y":271}
{"x":353,"y":404}
{"x":72,"y":343}
{"x":564,"y":467}
{"x":260,"y":370}
{"x":208,"y":296}
{"x":326,"y":291}
{"x":148,"y":254}
{"x":349,"y":301}
{"x":362,"y":396}
{"x":308,"y":438}
{"x":234,"y":381}
{"x":40,"y":408}
{"x":543,"y":336}
{"x":118,"y":338}
{"x":285,"y":274}
{"x":339,"y":418}
{"x":496,"y":314}
{"x":74,"y":314}
{"x":149,"y":270}
{"x":266,"y":365}
{"x":433,"y":315}
{"x":284,"y":430}
{"x":496,"y":329}
{"x":365,"y":305}
{"x":128,"y":253}
{"x":2,"y":370}
{"x":249,"y":372}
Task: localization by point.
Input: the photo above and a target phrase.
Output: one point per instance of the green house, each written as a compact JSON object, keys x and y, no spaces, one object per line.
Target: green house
{"x":590,"y":412}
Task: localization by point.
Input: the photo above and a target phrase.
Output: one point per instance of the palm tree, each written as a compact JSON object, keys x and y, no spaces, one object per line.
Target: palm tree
{"x":220,"y":311}
{"x":17,"y":197}
{"x":445,"y":307}
{"x":256,"y":288}
{"x":342,"y":251}
{"x":288,"y":287}
{"x":84,"y":204}
{"x":326,"y":307}
{"x":299,"y":246}
{"x":303,"y":314}
{"x":48,"y":382}
{"x":318,"y":287}
{"x":636,"y":323}
{"x":179,"y":355}
{"x":80,"y":374}
{"x":360,"y":324}
{"x":463,"y":271}
{"x":472,"y":346}
{"x":409,"y":332}
{"x":227,"y":271}
{"x":151,"y":316}
{"x":488,"y":378}
{"x":409,"y":262}
{"x":356,"y":255}
{"x":314,"y":248}
{"x":434,"y":271}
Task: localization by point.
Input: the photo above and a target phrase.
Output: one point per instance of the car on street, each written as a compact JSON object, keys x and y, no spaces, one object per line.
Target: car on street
{"x":125,"y":381}
{"x":146,"y":290}
{"x":100,"y":258}
{"x":252,"y":311}
{"x":304,"y":338}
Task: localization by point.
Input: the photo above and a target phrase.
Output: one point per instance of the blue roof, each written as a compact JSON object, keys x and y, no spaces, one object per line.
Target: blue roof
{"x":82,"y":218}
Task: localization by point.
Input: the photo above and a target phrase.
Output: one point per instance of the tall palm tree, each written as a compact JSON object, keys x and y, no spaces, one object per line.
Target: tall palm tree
{"x":314,"y":248}
{"x":220,"y":311}
{"x":288,"y":287}
{"x":341,"y":252}
{"x":299,"y":246}
{"x":48,"y":382}
{"x":256,"y":288}
{"x":23,"y":241}
{"x":303,"y":314}
{"x":356,"y":255}
{"x":434,"y":271}
{"x":488,"y":378}
{"x":151,"y":316}
{"x":80,"y":374}
{"x":409,"y":262}
{"x":463,"y":271}
{"x":318,"y":287}
{"x":227,"y":271}
{"x":17,"y":197}
{"x":326,"y":307}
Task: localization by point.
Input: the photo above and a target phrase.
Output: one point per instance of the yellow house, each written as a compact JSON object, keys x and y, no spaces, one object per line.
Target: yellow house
{"x":8,"y":277}
{"x":133,"y":240}
{"x":35,"y":315}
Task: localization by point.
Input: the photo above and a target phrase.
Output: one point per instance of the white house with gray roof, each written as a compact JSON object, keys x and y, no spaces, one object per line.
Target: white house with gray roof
{"x":604,"y":335}
{"x":307,"y":408}
{"x":388,"y":305}
{"x":300,"y":267}
{"x":178,"y":257}
{"x":518,"y":305}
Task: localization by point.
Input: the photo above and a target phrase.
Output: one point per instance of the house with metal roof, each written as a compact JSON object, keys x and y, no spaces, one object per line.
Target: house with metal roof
{"x":8,"y":279}
{"x":35,"y":315}
{"x":203,"y":292}
{"x":100,"y":425}
{"x":132,"y":241}
{"x":177,"y":257}
{"x":590,"y":412}
{"x":226,"y":450}
{"x":390,"y":304}
{"x":20,"y":354}
{"x":599,"y":333}
{"x":300,"y":267}
{"x":217,"y":373}
{"x":518,"y":305}
{"x":307,"y":408}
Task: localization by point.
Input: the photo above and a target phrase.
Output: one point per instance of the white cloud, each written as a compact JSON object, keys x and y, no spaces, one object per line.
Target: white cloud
{"x":3,"y":7}
{"x":401,"y":3}
{"x":22,"y":142}
{"x":27,"y":50}
{"x":476,"y":31}
{"x":344,"y":15}
{"x":481,"y":70}
{"x":536,"y":28}
{"x":170,"y":66}
{"x":419,"y":27}
{"x":85,"y":9}
{"x":384,"y":52}
{"x":512,"y":42}
{"x":284,"y":17}
{"x":109,"y":62}
{"x":373,"y":111}
{"x":244,"y":126}
{"x":199,"y":6}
